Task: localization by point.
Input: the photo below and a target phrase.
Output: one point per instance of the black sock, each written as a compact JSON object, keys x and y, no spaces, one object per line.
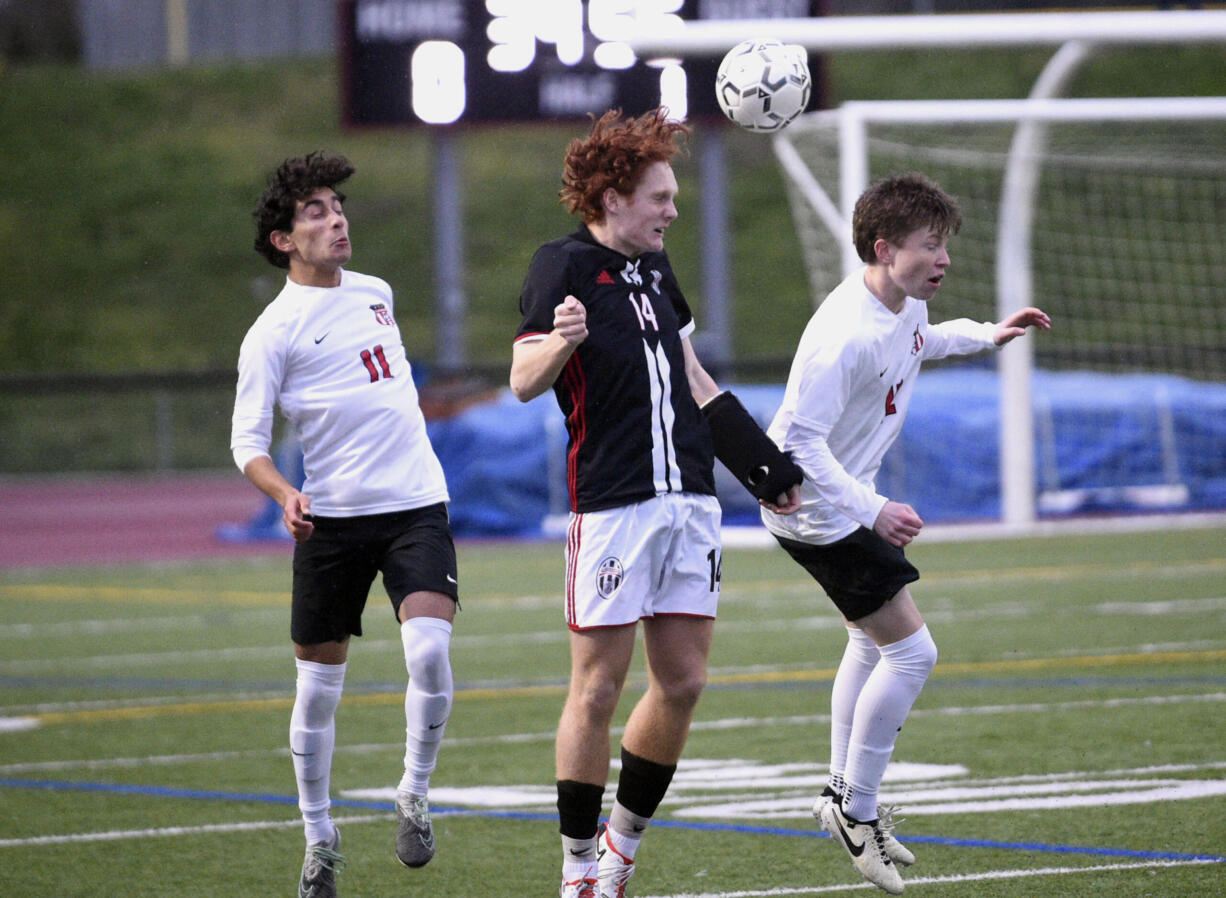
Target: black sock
{"x":579,"y":808}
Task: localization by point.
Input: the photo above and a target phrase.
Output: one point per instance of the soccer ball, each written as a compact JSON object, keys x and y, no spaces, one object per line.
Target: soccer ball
{"x":763,"y":84}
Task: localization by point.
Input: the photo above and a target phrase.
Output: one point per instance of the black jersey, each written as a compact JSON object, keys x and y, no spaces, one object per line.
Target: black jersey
{"x":634,"y":429}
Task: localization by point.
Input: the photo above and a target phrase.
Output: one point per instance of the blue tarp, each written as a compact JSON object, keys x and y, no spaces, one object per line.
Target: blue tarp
{"x":1102,"y":443}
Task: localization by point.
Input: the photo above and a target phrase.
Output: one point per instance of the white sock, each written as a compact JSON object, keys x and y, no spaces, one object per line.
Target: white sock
{"x":578,"y":857}
{"x":427,"y":701}
{"x":312,"y":737}
{"x":625,"y":845}
{"x":573,"y":870}
{"x":885,"y":701}
{"x":860,"y":657}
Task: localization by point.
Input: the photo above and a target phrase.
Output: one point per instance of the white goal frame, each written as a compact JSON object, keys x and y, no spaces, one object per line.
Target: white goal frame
{"x":1076,"y":35}
{"x":1013,"y":255}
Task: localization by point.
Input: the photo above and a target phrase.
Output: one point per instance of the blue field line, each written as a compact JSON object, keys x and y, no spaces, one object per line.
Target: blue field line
{"x":442,"y":811}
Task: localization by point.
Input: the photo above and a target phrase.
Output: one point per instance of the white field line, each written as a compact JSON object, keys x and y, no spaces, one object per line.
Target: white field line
{"x":987,"y":876}
{"x":783,"y":594}
{"x":128,"y":625}
{"x":12,"y":711}
{"x":726,"y":723}
{"x":120,"y":834}
{"x":35,"y":666}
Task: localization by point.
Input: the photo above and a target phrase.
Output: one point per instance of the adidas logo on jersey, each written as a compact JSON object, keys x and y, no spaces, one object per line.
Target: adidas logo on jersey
{"x":604,"y":277}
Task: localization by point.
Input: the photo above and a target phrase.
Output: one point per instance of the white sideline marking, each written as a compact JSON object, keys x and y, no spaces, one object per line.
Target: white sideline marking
{"x":727,"y":723}
{"x":33,"y":666}
{"x":936,"y":880}
{"x":118,"y":834}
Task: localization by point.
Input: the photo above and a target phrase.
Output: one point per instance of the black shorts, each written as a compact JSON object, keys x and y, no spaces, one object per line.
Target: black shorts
{"x":333,"y":570}
{"x":860,"y":572}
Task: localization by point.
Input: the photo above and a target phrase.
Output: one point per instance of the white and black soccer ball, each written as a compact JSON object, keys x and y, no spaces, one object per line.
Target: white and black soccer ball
{"x":763,"y":84}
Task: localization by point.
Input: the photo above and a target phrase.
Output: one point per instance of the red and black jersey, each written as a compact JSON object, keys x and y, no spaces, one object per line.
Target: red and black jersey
{"x":634,"y":429}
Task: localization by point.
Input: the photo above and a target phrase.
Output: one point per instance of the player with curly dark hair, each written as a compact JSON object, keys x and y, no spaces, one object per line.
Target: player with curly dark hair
{"x":328,"y":351}
{"x":293,"y":181}
{"x":606,"y":326}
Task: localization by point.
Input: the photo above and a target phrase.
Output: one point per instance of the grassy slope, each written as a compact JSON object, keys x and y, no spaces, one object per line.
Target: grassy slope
{"x":125,"y":199}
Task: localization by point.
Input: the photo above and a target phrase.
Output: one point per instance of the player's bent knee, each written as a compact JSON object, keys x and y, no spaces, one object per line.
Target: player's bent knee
{"x":914,"y":656}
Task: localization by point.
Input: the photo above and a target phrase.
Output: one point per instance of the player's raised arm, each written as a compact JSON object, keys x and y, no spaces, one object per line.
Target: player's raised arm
{"x":1015,"y":325}
{"x":536,"y":364}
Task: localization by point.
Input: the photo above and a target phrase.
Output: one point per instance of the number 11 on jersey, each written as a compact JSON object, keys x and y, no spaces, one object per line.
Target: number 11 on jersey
{"x":370,"y":356}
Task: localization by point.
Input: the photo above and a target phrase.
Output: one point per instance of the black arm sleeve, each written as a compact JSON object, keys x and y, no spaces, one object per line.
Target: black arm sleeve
{"x":751,"y":456}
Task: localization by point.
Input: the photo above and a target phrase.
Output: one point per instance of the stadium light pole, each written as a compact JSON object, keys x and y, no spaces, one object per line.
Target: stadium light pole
{"x":451,"y":306}
{"x":716,"y":266}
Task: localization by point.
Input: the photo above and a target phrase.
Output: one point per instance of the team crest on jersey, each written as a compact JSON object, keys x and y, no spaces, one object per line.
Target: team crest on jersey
{"x":630,"y":274}
{"x":609,"y":576}
{"x":917,"y":341}
{"x":382,"y":315}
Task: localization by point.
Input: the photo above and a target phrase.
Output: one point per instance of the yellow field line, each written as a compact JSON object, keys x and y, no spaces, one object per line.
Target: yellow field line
{"x":501,"y":693}
{"x":62,"y":592}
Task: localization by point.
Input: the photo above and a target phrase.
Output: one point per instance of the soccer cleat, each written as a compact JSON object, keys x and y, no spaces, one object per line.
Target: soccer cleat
{"x":614,"y":869}
{"x":828,"y":795}
{"x":414,"y":832}
{"x":897,"y":851}
{"x":865,"y":845}
{"x":323,"y":861}
{"x":586,"y":886}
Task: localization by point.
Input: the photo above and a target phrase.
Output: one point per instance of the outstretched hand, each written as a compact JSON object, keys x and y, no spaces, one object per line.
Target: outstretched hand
{"x":1015,"y":325}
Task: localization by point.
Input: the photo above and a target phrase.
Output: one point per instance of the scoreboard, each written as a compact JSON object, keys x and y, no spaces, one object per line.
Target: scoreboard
{"x":448,"y":61}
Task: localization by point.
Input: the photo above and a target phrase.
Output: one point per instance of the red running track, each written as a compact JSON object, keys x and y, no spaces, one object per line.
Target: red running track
{"x":117,"y":519}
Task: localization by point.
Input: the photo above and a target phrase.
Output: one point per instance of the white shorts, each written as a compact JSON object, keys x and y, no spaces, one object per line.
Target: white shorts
{"x":661,"y":556}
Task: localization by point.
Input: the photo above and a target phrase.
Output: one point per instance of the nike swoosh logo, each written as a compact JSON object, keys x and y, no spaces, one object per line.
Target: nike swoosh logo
{"x":882,"y":374}
{"x":856,"y":850}
{"x":577,"y":852}
{"x":319,"y":340}
{"x":451,"y":579}
{"x":435,"y":726}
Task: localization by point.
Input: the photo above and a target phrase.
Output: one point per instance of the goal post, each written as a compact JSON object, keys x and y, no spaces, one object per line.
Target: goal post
{"x":1171,"y":150}
{"x":929,"y":31}
{"x":1106,"y":212}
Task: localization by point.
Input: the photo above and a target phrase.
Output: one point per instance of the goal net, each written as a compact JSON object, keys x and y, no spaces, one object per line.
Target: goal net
{"x":1109,"y":215}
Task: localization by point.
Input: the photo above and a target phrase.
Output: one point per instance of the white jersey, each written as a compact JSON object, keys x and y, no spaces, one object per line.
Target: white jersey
{"x":333,"y":359}
{"x":846,"y":398}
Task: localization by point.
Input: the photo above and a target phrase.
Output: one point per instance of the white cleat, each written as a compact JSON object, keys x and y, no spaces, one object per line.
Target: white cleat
{"x":585,"y":886}
{"x":897,"y":851}
{"x":865,"y":845}
{"x":614,"y":868}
